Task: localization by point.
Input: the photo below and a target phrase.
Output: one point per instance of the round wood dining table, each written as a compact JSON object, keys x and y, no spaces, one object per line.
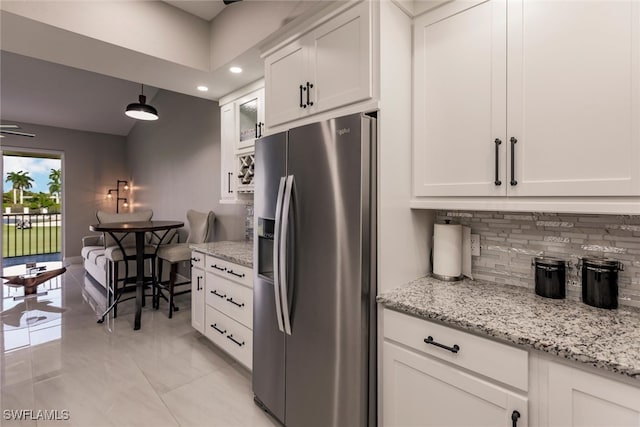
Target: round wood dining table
{"x":118,"y":230}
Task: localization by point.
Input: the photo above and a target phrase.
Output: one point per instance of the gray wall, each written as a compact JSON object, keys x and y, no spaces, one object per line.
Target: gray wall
{"x":175,"y":163}
{"x":92,"y":162}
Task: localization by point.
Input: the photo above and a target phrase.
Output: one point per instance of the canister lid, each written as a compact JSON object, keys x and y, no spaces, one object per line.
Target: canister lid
{"x":601,"y":262}
{"x":549,"y":261}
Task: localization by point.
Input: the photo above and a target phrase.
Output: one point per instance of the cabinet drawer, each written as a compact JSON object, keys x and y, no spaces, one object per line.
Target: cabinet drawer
{"x":229,"y":270}
{"x":232,"y":299}
{"x":500,"y":362}
{"x":197,"y":260}
{"x":231,"y":336}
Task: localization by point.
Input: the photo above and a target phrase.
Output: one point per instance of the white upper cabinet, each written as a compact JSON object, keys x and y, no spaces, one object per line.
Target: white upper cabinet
{"x":250,"y":113}
{"x":227,"y":160}
{"x":326,"y":68}
{"x":340,"y":60}
{"x":284,"y":74}
{"x":459,"y":110}
{"x":556,"y":84}
{"x":574,"y":97}
{"x":241,"y":122}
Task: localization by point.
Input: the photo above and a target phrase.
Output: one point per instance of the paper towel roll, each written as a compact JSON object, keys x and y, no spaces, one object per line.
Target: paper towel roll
{"x":447,"y":251}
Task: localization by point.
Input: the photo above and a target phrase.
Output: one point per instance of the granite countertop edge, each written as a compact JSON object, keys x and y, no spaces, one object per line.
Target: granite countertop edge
{"x":236,"y":251}
{"x":576,"y":349}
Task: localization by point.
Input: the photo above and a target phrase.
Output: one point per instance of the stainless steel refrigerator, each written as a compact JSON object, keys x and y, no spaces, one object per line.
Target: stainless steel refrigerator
{"x":314,"y":321}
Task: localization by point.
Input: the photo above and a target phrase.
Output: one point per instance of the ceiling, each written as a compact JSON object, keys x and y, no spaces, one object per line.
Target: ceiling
{"x":41,"y":92}
{"x":205,"y":9}
{"x":47,"y":93}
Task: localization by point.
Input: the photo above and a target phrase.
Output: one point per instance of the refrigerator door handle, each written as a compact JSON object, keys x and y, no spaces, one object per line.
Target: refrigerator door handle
{"x":284,"y":291}
{"x":276,"y":252}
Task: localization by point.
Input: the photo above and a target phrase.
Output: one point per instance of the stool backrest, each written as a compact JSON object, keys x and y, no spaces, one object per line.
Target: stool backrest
{"x":200,"y":226}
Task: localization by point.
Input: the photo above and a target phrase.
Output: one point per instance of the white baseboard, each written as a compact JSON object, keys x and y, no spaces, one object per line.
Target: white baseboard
{"x":72,"y":260}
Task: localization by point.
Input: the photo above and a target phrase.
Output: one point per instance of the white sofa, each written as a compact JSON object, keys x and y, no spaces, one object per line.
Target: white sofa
{"x":95,"y":248}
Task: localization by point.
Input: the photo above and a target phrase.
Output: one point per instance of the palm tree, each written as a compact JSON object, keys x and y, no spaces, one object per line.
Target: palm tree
{"x":55,"y":185}
{"x":20,"y":181}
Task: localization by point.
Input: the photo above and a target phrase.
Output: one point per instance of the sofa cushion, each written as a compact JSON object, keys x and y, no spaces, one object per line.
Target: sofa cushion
{"x":93,"y":255}
{"x":108,"y":217}
{"x":101,"y":261}
{"x":89,"y":249}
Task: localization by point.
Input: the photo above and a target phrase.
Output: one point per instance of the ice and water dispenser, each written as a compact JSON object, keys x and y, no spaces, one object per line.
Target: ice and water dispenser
{"x":266,"y":227}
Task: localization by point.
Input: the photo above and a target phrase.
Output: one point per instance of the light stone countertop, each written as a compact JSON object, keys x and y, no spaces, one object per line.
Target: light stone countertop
{"x":607,"y":339}
{"x":237,"y":252}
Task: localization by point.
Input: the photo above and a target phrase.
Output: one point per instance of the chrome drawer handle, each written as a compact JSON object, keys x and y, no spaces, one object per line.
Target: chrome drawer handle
{"x":454,"y":349}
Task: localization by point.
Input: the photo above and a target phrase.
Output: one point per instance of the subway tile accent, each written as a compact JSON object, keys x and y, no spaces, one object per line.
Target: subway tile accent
{"x":510,"y":240}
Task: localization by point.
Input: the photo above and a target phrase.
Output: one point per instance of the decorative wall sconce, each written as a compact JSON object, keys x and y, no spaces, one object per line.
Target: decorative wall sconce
{"x":117,"y":190}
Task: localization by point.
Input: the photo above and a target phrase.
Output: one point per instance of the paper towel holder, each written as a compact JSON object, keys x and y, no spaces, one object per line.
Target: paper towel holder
{"x":445,"y":251}
{"x":447,"y":278}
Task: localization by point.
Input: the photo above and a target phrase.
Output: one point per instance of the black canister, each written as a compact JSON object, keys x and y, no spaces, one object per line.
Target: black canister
{"x":600,"y":282}
{"x":550,"y":277}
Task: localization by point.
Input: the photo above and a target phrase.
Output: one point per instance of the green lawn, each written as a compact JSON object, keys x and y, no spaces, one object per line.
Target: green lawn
{"x":32,"y":241}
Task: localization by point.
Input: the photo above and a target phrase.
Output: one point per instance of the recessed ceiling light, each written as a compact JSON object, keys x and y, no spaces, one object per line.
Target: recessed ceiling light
{"x":235,"y":70}
{"x":203,"y":88}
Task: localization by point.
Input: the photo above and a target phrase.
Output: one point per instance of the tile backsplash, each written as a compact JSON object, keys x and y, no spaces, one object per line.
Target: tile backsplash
{"x":248,"y":224}
{"x":510,"y":240}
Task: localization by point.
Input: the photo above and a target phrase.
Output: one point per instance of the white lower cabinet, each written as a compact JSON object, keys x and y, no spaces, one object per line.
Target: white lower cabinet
{"x":197,"y":291}
{"x":578,"y":398}
{"x":434,"y":375}
{"x":450,"y":381}
{"x":222,"y":305}
{"x":420,"y":391}
{"x":231,"y":336}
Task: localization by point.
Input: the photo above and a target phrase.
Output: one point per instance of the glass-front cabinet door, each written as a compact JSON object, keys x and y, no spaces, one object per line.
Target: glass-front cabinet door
{"x":250,"y":113}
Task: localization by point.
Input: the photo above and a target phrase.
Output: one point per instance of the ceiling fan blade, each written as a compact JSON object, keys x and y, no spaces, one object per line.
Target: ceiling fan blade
{"x":9,"y":126}
{"x":13,"y":132}
{"x":230,"y":1}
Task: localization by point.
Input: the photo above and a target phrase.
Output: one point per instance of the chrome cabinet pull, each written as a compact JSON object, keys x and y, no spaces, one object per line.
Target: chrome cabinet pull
{"x":230,"y":174}
{"x":454,"y":349}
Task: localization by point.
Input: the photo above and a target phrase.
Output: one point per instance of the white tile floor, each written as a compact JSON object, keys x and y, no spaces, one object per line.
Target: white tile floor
{"x":55,"y":357}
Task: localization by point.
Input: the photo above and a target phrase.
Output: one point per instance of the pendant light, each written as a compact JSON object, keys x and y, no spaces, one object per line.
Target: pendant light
{"x":140,"y":110}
